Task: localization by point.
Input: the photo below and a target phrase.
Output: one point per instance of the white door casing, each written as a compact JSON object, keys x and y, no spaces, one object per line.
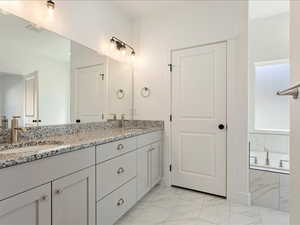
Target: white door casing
{"x":31,"y":99}
{"x":198,"y":108}
{"x":90,"y":93}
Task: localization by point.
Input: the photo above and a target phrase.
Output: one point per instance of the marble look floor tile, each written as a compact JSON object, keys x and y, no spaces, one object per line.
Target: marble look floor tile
{"x":175,"y":206}
{"x":188,"y":222}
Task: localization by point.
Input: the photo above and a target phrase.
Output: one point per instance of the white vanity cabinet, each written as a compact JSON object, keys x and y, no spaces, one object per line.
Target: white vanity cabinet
{"x":149,"y":169}
{"x":125,"y":174}
{"x":52,"y":191}
{"x":72,"y":199}
{"x":32,"y":207}
{"x":95,"y":185}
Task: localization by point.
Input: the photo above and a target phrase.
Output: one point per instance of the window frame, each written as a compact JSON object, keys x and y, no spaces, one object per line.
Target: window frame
{"x":251,"y":97}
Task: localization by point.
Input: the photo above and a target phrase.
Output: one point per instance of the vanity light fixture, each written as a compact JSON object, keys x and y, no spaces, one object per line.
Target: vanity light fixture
{"x":121,"y":46}
{"x":50,"y":4}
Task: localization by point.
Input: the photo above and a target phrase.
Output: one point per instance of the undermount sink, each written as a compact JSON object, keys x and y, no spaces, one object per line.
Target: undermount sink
{"x":25,"y":149}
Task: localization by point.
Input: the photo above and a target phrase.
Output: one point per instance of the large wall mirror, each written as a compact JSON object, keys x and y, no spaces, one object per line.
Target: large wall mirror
{"x":46,"y":79}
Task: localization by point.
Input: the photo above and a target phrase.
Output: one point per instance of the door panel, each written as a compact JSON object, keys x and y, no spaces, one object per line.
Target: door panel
{"x":73,"y":200}
{"x":143,"y":171}
{"x":155,"y":164}
{"x":90,"y":93}
{"x":198,"y":107}
{"x":29,"y":208}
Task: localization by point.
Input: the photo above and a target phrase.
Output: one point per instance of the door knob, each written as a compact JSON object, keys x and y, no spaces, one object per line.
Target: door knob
{"x":221,"y":126}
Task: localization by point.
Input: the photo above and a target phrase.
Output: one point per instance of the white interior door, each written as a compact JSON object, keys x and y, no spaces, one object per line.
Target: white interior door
{"x":31,"y":99}
{"x":90,"y":93}
{"x":199,"y":118}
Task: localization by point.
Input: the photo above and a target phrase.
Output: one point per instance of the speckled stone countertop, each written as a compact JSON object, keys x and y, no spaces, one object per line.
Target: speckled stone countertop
{"x":15,"y":154}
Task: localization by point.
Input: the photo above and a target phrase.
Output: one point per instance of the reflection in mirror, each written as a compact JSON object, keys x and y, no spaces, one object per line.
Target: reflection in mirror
{"x":48,"y":80}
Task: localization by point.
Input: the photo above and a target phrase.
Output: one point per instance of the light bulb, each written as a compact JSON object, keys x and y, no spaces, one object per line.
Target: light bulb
{"x":132,"y":55}
{"x":123,"y":51}
{"x":112,"y":44}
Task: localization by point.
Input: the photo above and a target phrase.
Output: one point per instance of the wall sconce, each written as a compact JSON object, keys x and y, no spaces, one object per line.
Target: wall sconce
{"x":50,"y":4}
{"x":121,"y":46}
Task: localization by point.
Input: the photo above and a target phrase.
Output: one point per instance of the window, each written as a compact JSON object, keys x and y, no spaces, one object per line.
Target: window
{"x":271,"y":112}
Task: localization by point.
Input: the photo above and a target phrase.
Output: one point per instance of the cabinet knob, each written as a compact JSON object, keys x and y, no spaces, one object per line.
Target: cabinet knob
{"x":120,"y":170}
{"x":120,"y":146}
{"x":58,"y":191}
{"x":120,"y":202}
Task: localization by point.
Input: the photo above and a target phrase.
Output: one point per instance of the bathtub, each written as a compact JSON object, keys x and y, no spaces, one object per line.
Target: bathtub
{"x":269,"y":184}
{"x":278,"y":162}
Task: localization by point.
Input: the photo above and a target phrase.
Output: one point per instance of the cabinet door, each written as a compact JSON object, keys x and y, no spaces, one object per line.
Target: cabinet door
{"x":29,"y":208}
{"x":155,"y":163}
{"x":73,"y":199}
{"x":143,"y":171}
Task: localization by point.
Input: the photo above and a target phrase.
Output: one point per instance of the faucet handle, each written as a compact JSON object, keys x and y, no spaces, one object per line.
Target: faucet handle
{"x":16,"y":117}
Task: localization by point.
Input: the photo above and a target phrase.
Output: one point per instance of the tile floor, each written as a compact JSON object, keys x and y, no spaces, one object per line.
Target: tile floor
{"x":175,"y":206}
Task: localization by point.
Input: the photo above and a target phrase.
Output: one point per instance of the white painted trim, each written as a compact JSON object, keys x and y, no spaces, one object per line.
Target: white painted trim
{"x":251,"y":97}
{"x":272,"y":62}
{"x":234,"y":194}
{"x":271,"y":132}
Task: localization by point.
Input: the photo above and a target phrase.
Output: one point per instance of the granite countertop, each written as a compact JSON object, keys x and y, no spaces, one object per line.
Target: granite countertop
{"x":15,"y":154}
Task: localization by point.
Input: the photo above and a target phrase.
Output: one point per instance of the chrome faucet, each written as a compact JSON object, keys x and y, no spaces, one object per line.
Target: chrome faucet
{"x":255,"y":159}
{"x":281,"y":162}
{"x":267,"y":156}
{"x":15,"y":129}
{"x":123,"y":121}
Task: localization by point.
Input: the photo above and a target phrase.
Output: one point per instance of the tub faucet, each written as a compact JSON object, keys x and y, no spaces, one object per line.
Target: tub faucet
{"x":267,"y":156}
{"x":281,"y":162}
{"x":123,"y":121}
{"x":255,"y":159}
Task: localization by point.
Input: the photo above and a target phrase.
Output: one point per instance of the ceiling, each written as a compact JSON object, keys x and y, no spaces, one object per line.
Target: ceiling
{"x":135,"y":9}
{"x":143,"y":8}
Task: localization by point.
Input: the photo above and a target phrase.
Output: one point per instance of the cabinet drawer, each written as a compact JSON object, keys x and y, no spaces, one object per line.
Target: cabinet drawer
{"x":113,"y":206}
{"x":113,"y":173}
{"x":149,"y":138}
{"x":113,"y":149}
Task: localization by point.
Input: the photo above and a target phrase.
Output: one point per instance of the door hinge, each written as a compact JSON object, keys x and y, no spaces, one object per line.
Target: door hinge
{"x":102,"y":76}
{"x":170,"y":167}
{"x":170,"y":67}
{"x":171,"y":118}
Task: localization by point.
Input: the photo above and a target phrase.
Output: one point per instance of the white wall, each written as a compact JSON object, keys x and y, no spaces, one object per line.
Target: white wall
{"x":12,"y":93}
{"x":54,"y":80}
{"x":203,"y":23}
{"x":91,"y":23}
{"x":268,"y":41}
{"x":295,"y":112}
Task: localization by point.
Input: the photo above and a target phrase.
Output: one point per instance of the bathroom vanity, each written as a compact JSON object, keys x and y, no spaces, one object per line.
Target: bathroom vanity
{"x":88,"y":177}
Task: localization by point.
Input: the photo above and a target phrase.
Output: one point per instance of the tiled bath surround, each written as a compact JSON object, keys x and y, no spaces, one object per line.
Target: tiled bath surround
{"x":43,"y":132}
{"x":269,"y":185}
{"x":276,"y":143}
{"x":269,"y":189}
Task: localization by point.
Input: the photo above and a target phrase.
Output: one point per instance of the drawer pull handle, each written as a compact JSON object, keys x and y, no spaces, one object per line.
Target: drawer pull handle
{"x":120,"y":202}
{"x":120,"y":147}
{"x":44,"y":198}
{"x":58,"y":191}
{"x":120,"y":170}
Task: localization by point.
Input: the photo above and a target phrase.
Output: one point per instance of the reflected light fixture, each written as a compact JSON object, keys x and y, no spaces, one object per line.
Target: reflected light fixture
{"x":50,"y":4}
{"x":121,"y":46}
